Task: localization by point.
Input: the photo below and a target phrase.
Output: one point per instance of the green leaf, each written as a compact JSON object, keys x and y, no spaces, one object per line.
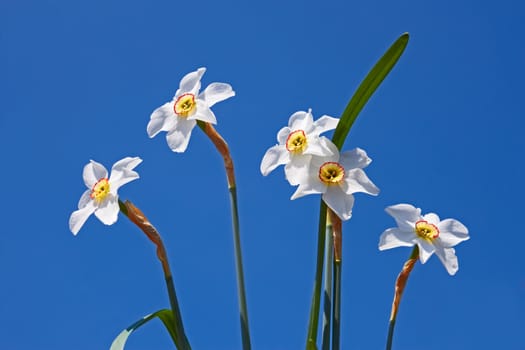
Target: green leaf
{"x":356,"y":104}
{"x":367,"y":88}
{"x":165,"y":315}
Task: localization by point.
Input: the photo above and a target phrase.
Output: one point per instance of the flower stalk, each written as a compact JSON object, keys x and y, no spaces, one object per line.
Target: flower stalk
{"x":224,"y":151}
{"x":138,"y":218}
{"x":401,"y":281}
{"x":337,"y":229}
{"x":327,"y":301}
{"x":313,"y":322}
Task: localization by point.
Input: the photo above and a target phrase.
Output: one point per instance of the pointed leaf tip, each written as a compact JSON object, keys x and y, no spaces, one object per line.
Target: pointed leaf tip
{"x":368,"y":86}
{"x":165,"y":315}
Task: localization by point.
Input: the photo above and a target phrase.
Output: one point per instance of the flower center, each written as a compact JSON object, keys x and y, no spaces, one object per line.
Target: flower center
{"x":296,"y":142}
{"x":426,"y":231}
{"x":100,"y":190}
{"x":185,"y":105}
{"x":331,"y":173}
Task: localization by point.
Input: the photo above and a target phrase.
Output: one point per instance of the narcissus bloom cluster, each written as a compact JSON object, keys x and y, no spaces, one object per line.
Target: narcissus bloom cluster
{"x":431,"y":234}
{"x":101,"y":196}
{"x":179,"y":116}
{"x":314,"y":164}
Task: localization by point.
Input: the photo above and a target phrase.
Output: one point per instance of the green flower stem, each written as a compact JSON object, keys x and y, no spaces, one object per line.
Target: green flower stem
{"x":390,"y":336}
{"x":223,"y":149}
{"x":337,"y":228}
{"x":336,"y":321}
{"x":245,"y":330}
{"x":401,"y":281}
{"x":327,"y":300}
{"x":183,"y":343}
{"x":313,"y":323}
{"x":139,"y":219}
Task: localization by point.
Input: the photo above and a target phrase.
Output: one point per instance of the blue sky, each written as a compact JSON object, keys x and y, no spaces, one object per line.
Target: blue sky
{"x":80,"y":79}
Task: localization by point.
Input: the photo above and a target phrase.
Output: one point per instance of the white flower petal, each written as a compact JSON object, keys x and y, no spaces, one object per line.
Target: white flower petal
{"x":355,"y":158}
{"x":190,"y":83}
{"x":216,"y":92}
{"x":357,"y":181}
{"x":179,"y":137}
{"x":203,"y":113}
{"x":309,"y":185}
{"x":122,"y":172}
{"x":431,"y":218}
{"x":426,"y":249}
{"x":301,"y":121}
{"x":324,"y":123}
{"x":315,"y":148}
{"x":79,"y":217}
{"x":127,"y":163}
{"x":321,"y":147}
{"x":452,"y":232}
{"x":297,"y":168}
{"x":84,"y":199}
{"x":93,"y":172}
{"x":405,"y":215}
{"x":283,"y":134}
{"x":394,"y":237}
{"x":107,"y":212}
{"x":330,"y":153}
{"x":448,"y":259}
{"x":274,"y":156}
{"x":340,"y":202}
{"x":162,"y":119}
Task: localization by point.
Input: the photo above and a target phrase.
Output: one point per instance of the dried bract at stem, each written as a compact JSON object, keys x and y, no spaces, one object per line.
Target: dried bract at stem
{"x":139,"y":219}
{"x":222,"y":148}
{"x":401,"y":282}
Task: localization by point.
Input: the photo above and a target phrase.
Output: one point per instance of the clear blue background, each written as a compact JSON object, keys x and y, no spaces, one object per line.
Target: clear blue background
{"x":445,"y":130}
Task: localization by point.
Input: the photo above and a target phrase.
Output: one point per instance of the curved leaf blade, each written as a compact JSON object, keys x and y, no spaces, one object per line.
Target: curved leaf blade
{"x":363,"y":93}
{"x":368,"y":86}
{"x":165,"y":315}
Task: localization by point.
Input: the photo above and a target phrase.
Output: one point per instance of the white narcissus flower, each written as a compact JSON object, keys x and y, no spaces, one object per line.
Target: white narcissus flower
{"x":180,"y":116}
{"x":298,"y":142}
{"x":101,"y":196}
{"x":429,"y":233}
{"x":337,"y":177}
